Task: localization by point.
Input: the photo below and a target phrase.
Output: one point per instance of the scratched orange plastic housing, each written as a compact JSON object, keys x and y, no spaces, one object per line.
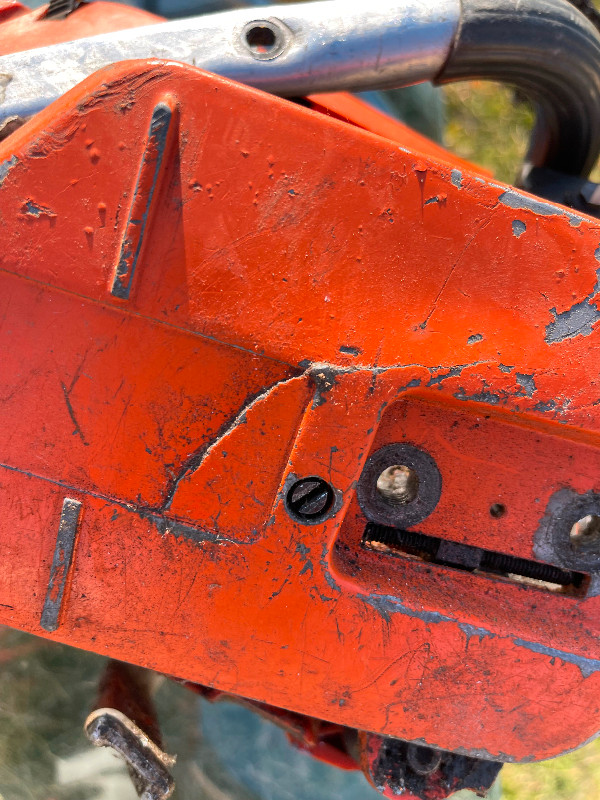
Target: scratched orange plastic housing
{"x":207,"y":292}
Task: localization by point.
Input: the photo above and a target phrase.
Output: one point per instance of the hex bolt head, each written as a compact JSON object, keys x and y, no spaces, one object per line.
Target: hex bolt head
{"x":309,"y":499}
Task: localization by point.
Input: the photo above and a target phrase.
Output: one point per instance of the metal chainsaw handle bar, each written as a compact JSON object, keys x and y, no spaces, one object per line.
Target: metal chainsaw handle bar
{"x":551,"y":51}
{"x":289,"y":50}
{"x":546,"y":47}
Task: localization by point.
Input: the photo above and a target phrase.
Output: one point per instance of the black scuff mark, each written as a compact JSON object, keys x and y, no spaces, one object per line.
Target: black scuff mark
{"x":325,"y":378}
{"x":382,"y":408}
{"x":526,"y":383}
{"x":326,"y":573}
{"x":386,"y":605}
{"x":314,"y":593}
{"x":372,"y":384}
{"x":438,"y":377}
{"x":587,"y":666}
{"x":351,"y":351}
{"x":382,"y":605}
{"x":164,"y":525}
{"x":278,"y":592}
{"x":413,"y":384}
{"x":171,"y":527}
{"x":431,"y":200}
{"x":545,"y":407}
{"x":471,"y":631}
{"x":304,"y":552}
{"x":77,"y":429}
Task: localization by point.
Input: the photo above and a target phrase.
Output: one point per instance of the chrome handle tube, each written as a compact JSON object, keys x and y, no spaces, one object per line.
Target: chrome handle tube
{"x":289,"y":50}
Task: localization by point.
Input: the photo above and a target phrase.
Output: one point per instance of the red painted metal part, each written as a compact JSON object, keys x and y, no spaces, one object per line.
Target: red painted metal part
{"x":352,"y":109}
{"x":197,"y":313}
{"x":23,"y":29}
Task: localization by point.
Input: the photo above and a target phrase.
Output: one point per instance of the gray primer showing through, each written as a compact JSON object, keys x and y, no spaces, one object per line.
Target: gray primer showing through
{"x":518,"y":201}
{"x":526,"y":382}
{"x":588,"y":666}
{"x":518,"y":227}
{"x":387,"y":605}
{"x":61,"y":564}
{"x":577,"y":320}
{"x":456,"y":178}
{"x":6,"y":166}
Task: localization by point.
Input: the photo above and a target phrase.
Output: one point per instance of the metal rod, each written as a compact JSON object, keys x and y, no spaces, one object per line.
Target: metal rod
{"x":289,"y":50}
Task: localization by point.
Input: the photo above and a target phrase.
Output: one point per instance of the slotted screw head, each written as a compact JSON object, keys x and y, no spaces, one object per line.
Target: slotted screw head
{"x":309,"y":499}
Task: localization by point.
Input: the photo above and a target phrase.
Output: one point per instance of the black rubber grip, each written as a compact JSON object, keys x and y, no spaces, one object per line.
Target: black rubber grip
{"x":550,"y":51}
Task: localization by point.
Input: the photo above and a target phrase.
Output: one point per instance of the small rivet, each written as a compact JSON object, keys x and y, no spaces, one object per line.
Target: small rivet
{"x":264,"y":39}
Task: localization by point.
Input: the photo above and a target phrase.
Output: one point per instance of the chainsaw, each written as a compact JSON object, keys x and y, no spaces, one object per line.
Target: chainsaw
{"x":297,"y":407}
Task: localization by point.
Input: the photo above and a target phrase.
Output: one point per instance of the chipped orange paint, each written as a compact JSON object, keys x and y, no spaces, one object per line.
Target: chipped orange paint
{"x":306,"y":291}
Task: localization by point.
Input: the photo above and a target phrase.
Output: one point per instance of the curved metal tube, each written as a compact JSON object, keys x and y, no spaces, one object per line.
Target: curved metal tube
{"x":545,"y":47}
{"x":552,"y":52}
{"x":304,"y":48}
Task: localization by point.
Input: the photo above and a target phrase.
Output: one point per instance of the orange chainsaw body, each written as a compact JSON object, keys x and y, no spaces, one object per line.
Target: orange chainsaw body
{"x":209,"y":293}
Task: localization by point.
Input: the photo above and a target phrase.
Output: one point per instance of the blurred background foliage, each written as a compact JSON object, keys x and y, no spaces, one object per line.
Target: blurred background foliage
{"x":48,"y":689}
{"x":488,"y":124}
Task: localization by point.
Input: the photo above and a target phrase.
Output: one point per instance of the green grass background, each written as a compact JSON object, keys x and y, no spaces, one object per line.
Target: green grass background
{"x":488,"y":125}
